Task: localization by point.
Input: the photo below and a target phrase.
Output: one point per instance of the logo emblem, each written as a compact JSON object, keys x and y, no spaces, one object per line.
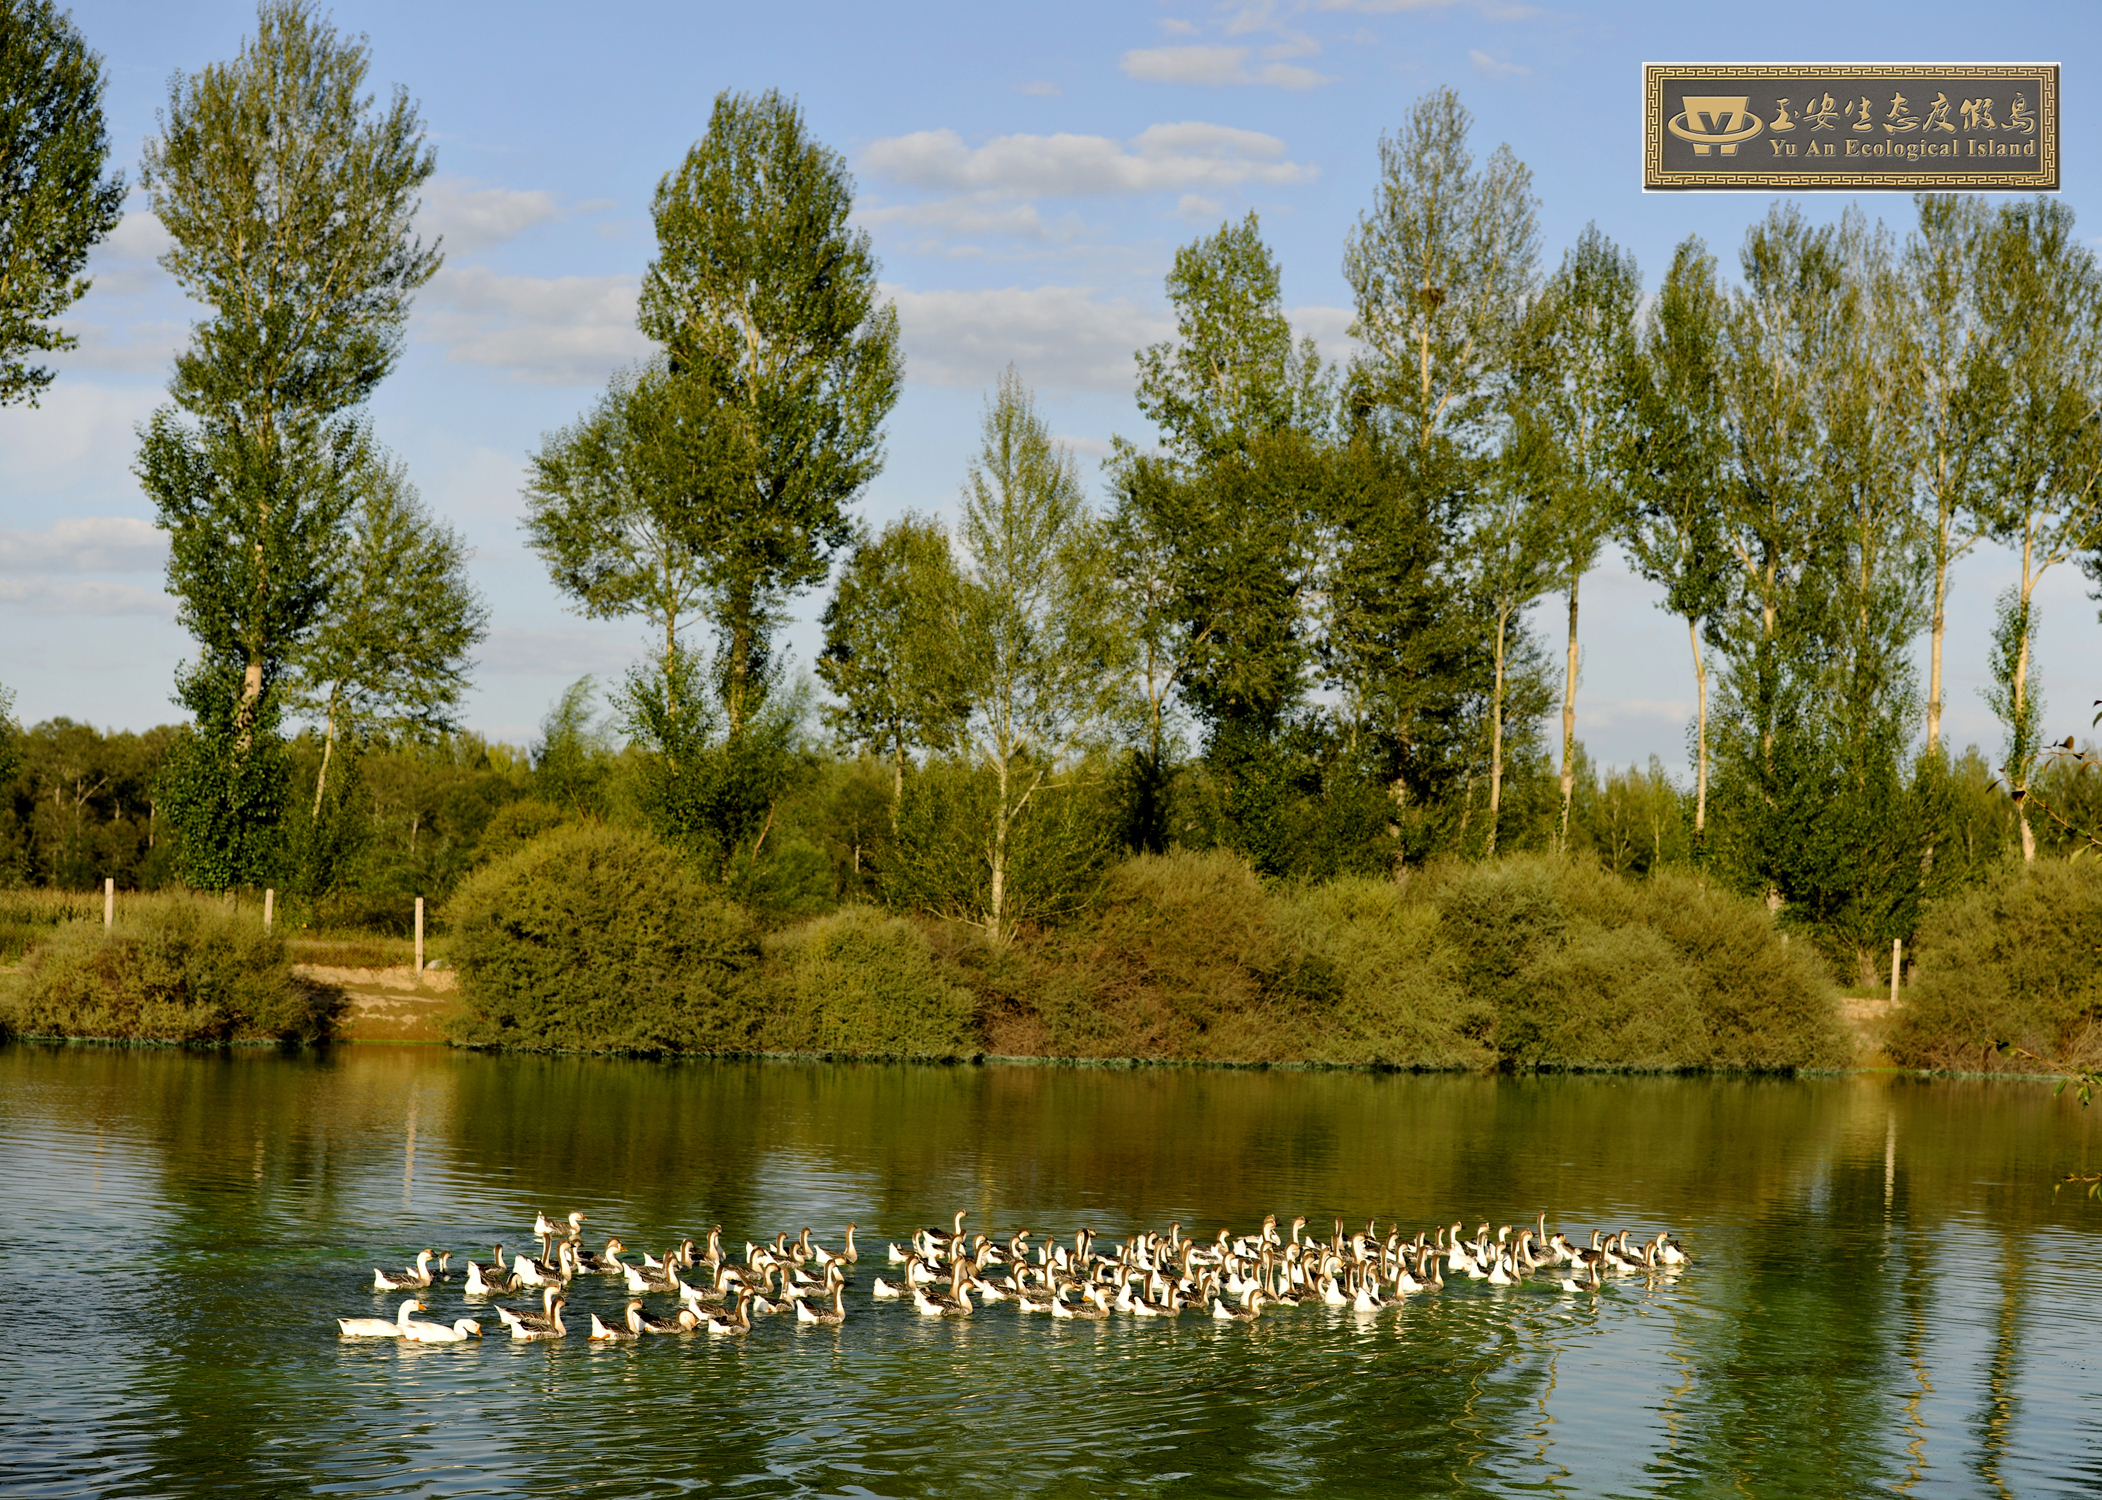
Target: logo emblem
{"x":1714,"y":120}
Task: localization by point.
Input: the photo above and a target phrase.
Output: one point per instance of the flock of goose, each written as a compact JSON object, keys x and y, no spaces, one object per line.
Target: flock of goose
{"x":943,"y":1270}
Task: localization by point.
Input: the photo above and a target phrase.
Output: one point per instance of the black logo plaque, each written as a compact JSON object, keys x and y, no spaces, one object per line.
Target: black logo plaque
{"x":1855,"y":126}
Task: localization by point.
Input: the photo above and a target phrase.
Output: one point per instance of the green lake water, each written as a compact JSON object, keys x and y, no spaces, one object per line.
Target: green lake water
{"x":1884,"y":1294}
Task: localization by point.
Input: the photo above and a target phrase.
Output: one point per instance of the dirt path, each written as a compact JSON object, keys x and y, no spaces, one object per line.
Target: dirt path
{"x":390,"y":1005}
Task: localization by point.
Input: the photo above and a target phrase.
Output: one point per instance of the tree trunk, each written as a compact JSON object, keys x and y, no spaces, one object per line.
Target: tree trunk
{"x":1937,"y":625}
{"x":995,"y":906}
{"x":328,"y":749}
{"x":1700,"y":751}
{"x":2018,"y":773}
{"x":1496,"y":731}
{"x":897,"y":777}
{"x":1569,"y":719}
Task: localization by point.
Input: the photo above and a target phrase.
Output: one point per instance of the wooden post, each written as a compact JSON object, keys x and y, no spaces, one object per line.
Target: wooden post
{"x":269,"y":906}
{"x":419,"y":935}
{"x":109,"y":903}
{"x":1897,"y":966}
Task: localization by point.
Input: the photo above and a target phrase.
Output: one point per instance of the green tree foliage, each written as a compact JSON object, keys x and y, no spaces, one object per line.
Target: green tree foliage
{"x":573,"y":760}
{"x":594,"y":938}
{"x":781,"y":362}
{"x":55,"y":201}
{"x":1214,"y":534}
{"x":863,"y":984}
{"x":2042,"y":294}
{"x":890,"y":657}
{"x":1578,"y":341}
{"x":289,"y":198}
{"x":1041,"y":640}
{"x":390,"y":655}
{"x":1676,"y":461}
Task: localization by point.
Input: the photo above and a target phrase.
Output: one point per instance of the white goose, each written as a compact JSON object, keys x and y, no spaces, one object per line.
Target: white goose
{"x":459,"y":1331}
{"x":381,"y":1328}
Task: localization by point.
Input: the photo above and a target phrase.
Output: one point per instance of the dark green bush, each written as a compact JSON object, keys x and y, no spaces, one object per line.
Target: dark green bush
{"x":593,"y":938}
{"x":175,"y":970}
{"x":866,"y":984}
{"x":2019,"y":961}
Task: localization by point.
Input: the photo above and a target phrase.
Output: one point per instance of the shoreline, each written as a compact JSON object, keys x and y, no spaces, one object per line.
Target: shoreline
{"x":1108,"y":1064}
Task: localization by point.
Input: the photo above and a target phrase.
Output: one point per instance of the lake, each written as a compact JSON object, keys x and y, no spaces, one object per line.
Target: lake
{"x":1883,"y":1294}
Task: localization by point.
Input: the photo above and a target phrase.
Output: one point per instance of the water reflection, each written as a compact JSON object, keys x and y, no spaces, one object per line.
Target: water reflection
{"x":1885,"y":1296}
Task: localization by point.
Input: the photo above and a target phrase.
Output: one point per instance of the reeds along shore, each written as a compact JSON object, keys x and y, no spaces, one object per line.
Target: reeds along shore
{"x":590,"y":940}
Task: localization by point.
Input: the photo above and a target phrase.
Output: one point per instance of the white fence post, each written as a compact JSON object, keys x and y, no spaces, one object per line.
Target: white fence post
{"x":109,"y":903}
{"x":1897,"y":966}
{"x":269,"y":906}
{"x":419,"y":935}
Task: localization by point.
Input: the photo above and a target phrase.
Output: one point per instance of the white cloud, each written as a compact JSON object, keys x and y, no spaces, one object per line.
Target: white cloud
{"x":1162,"y":158}
{"x":146,"y":347}
{"x":977,"y":213}
{"x":85,"y":544}
{"x":1328,"y":327}
{"x":1195,"y":206}
{"x":81,"y":429}
{"x":1492,"y":67}
{"x":54,"y":596}
{"x":1176,"y":26}
{"x":1043,"y":89}
{"x":123,"y":265}
{"x":556,"y":330}
{"x":472,"y":218}
{"x":1191,"y":64}
{"x":1213,"y":66}
{"x":568,"y":653}
{"x":1056,"y":336}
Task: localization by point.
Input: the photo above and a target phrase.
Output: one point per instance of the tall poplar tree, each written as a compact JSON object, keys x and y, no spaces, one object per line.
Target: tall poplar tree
{"x":1212,"y":534}
{"x":1442,"y":270}
{"x":1677,"y":460}
{"x":55,"y":201}
{"x":1581,"y":337}
{"x":289,"y":195}
{"x":2042,"y":292}
{"x":782,"y":363}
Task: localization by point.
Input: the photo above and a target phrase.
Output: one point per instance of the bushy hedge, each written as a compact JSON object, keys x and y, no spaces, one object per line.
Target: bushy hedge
{"x":600,"y":939}
{"x":174,"y":970}
{"x":2019,"y":961}
{"x":860,"y":983}
{"x":1531,"y":962}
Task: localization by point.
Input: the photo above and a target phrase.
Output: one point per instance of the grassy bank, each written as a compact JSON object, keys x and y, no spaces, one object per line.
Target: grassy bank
{"x":173,"y":969}
{"x":595,"y":939}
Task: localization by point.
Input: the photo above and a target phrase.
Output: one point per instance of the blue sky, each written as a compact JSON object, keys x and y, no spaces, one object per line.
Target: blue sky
{"x":1026,"y":175}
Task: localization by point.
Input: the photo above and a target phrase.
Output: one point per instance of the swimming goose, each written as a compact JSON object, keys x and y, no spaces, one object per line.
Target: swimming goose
{"x":1092,"y":1307}
{"x":683,"y":1256}
{"x":1224,"y":1314}
{"x":593,"y":1263}
{"x":459,"y":1331}
{"x":406,"y":1279}
{"x":737,"y":1320}
{"x":640,"y":1322}
{"x":832,"y":1316}
{"x":956,"y":1302}
{"x":381,"y":1328}
{"x":545,"y":1228}
{"x":492,"y":1280}
{"x":545,"y":1324}
{"x":656,"y":1278}
{"x":601,"y":1331}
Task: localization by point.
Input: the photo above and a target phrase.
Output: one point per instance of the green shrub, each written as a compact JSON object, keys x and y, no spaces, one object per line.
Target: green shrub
{"x":1184,"y":961}
{"x":865,"y":984}
{"x":593,"y":938}
{"x":1584,"y":969}
{"x":174,"y":970}
{"x":1398,"y":1000}
{"x":2019,"y":961}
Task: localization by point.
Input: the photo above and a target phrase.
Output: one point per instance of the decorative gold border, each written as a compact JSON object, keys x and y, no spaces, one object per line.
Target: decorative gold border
{"x":2043,"y":177}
